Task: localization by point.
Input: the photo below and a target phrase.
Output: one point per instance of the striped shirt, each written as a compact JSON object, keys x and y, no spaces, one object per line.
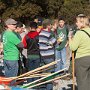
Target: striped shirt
{"x":46,"y":44}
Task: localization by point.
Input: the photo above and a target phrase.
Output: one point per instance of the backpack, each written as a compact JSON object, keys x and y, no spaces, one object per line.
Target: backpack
{"x":32,"y":45}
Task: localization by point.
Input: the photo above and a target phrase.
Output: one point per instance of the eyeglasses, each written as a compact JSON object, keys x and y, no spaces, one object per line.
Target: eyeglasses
{"x":13,"y":24}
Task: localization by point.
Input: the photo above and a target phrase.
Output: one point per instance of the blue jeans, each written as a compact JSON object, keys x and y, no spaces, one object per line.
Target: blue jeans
{"x":49,"y":86}
{"x":33,"y":64}
{"x":60,"y":55}
{"x":11,"y":69}
{"x":47,"y":61}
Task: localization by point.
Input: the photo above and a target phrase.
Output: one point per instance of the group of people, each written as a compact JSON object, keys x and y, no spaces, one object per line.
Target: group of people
{"x":46,"y":44}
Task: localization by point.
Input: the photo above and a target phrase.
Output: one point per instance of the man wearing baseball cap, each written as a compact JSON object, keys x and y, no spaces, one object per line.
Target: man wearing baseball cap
{"x":11,"y":43}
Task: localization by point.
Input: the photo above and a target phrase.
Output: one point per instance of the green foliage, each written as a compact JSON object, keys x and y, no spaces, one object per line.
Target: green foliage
{"x":22,"y":10}
{"x":54,"y":7}
{"x":2,"y":5}
{"x":50,"y":8}
{"x":71,"y":8}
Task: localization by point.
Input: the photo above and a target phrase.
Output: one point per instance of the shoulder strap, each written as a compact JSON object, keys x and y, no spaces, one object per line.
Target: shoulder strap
{"x":86,"y":32}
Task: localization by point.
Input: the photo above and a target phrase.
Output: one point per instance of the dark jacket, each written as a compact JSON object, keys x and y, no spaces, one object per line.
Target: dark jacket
{"x":31,"y":43}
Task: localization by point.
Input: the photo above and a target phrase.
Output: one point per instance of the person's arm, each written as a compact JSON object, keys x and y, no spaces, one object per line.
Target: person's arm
{"x":20,"y":45}
{"x":52,"y":41}
{"x":75,"y":41}
{"x":67,"y":43}
{"x":1,"y":48}
{"x":16,"y":41}
{"x":24,"y":42}
{"x":1,"y":45}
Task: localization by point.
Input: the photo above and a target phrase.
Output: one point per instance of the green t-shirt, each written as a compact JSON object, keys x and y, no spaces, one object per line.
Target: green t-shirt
{"x":10,"y":40}
{"x":62,"y":32}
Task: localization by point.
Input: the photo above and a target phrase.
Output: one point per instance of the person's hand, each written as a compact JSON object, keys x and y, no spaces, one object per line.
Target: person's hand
{"x":70,"y":35}
{"x":67,"y":44}
{"x":59,"y":40}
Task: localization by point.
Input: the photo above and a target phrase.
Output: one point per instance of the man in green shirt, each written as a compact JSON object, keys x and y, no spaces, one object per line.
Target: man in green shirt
{"x":11,"y":43}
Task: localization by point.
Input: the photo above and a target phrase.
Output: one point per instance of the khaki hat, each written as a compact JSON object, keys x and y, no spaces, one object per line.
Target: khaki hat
{"x":10,"y":21}
{"x":81,"y":15}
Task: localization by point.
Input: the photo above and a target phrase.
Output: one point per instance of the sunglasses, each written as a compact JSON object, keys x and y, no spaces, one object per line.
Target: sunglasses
{"x":13,"y":24}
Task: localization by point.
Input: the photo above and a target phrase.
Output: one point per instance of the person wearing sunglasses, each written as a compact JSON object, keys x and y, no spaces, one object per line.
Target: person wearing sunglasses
{"x":11,"y":43}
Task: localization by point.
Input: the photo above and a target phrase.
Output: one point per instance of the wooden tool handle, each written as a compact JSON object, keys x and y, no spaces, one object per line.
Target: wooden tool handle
{"x":73,"y":70}
{"x":37,"y":69}
{"x":57,"y":78}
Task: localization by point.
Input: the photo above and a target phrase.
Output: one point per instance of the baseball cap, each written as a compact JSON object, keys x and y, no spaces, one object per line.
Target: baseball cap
{"x":10,"y":21}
